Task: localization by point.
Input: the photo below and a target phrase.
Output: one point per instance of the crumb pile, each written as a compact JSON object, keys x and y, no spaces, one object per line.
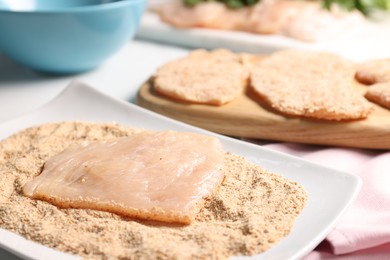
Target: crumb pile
{"x":250,"y":212}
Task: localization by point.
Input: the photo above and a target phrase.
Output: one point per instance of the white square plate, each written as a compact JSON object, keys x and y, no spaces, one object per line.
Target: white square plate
{"x":367,"y":41}
{"x":329,"y":191}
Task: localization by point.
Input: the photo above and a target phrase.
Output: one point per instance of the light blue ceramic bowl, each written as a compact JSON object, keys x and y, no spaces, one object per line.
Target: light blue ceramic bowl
{"x":66,"y":36}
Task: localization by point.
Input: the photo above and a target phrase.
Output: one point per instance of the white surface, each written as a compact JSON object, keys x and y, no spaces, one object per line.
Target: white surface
{"x":369,"y":41}
{"x":329,"y":191}
{"x":22,"y":90}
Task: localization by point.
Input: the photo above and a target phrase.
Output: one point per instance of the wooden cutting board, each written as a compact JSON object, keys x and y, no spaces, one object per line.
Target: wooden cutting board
{"x":247,"y":117}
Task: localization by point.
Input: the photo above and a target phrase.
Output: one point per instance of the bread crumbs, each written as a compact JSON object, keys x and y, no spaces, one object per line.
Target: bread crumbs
{"x":251,"y":211}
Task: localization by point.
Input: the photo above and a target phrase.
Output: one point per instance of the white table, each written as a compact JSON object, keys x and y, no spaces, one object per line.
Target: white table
{"x":22,"y":90}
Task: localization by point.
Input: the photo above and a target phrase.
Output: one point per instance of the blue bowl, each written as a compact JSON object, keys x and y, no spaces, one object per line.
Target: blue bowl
{"x":66,"y":36}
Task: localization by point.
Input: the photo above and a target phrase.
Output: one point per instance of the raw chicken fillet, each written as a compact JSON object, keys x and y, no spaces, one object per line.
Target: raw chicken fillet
{"x":160,"y":176}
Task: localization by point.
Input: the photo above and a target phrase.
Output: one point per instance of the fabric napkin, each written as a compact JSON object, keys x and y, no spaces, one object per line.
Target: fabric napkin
{"x":363,"y":232}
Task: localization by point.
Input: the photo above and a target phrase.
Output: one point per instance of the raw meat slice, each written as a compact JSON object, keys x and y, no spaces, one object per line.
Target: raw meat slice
{"x":303,"y":20}
{"x":271,"y":17}
{"x":208,"y":15}
{"x":149,"y":175}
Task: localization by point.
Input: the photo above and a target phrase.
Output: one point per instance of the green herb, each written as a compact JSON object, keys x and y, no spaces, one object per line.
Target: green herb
{"x":364,"y":6}
{"x":229,"y":3}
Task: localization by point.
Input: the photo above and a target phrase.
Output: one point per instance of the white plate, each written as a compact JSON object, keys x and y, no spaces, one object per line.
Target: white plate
{"x":330,"y":192}
{"x":369,"y":41}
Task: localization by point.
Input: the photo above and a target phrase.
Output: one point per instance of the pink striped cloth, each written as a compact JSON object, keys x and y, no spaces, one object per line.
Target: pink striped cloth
{"x":364,"y":230}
